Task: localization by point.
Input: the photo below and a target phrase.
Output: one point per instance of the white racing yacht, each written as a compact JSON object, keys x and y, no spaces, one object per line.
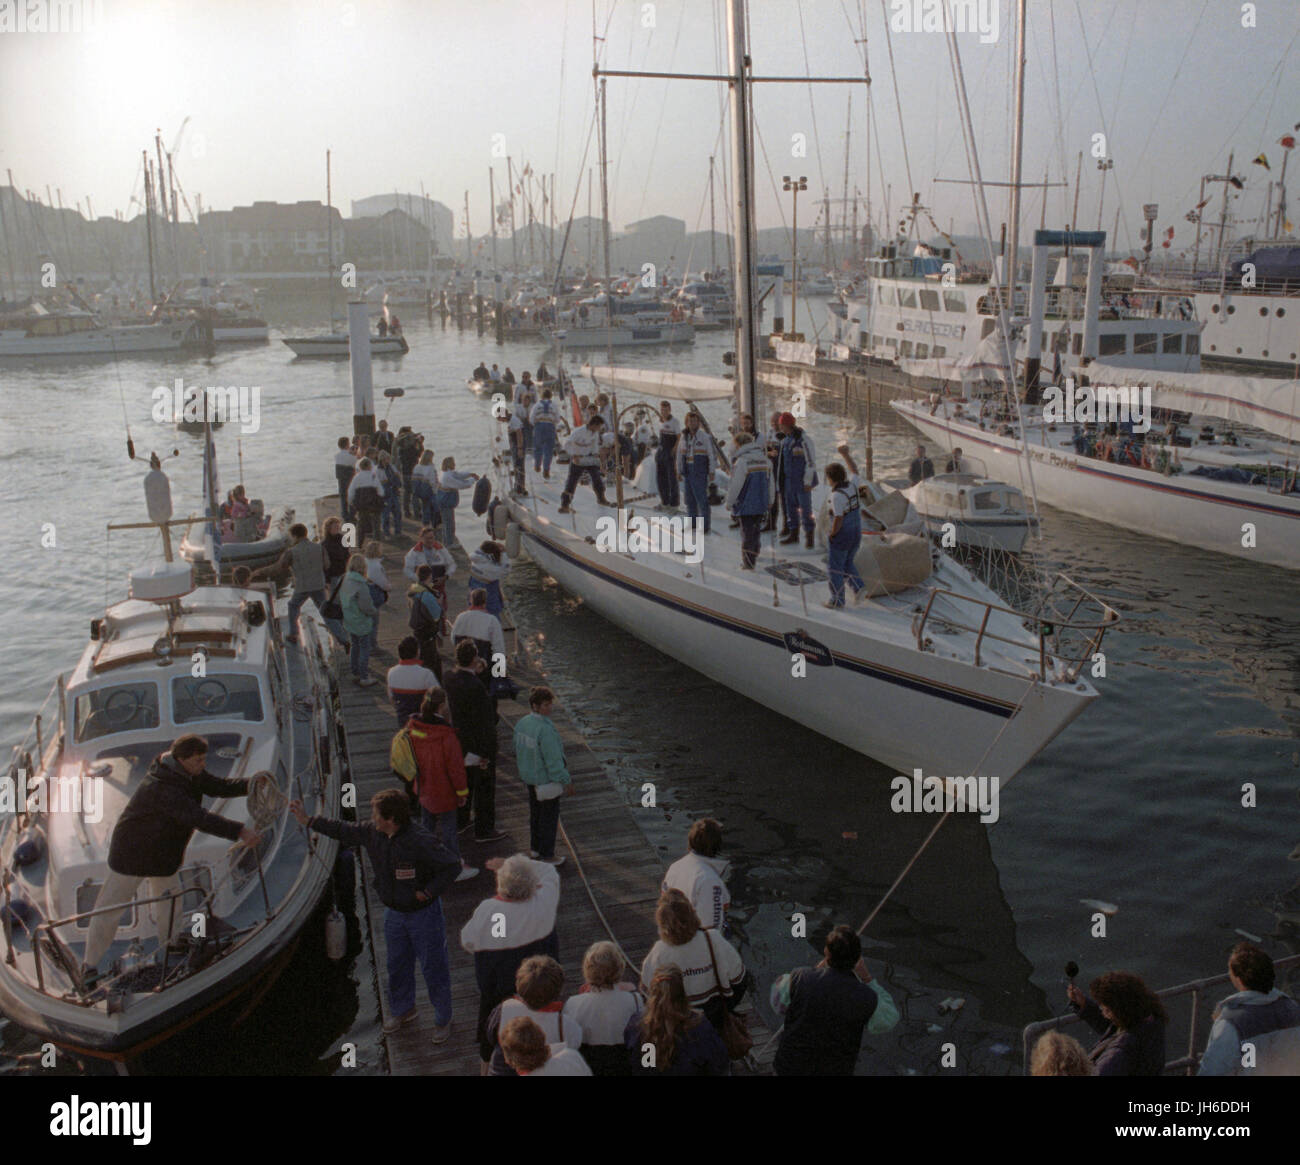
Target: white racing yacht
{"x":935,"y":671}
{"x":265,"y":710}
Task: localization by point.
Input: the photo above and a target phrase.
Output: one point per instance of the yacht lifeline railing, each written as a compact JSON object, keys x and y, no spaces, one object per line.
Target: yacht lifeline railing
{"x":1051,"y":622}
{"x":1187,"y":1063}
{"x":41,"y":743}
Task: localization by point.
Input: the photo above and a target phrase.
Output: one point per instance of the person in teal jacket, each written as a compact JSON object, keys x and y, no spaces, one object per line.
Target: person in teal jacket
{"x":360,"y":618}
{"x":539,"y":754}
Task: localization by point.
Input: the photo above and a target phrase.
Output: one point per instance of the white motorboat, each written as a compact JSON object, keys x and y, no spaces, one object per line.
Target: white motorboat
{"x":337,"y":345}
{"x":620,"y":322}
{"x":265,"y":709}
{"x":1238,"y":497}
{"x":79,"y":333}
{"x":972,"y":511}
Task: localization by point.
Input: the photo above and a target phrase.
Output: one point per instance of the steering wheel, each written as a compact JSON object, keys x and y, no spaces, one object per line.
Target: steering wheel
{"x":121,"y":706}
{"x":210,"y":696}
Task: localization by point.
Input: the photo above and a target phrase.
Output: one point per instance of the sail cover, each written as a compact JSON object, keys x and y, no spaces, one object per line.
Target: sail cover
{"x":1261,"y":401}
{"x":652,"y":382}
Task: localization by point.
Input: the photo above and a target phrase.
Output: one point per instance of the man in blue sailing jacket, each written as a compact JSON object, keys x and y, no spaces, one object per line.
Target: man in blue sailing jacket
{"x":412,"y":868}
{"x":1258,"y":1015}
{"x":846,"y":530}
{"x":696,"y":460}
{"x":797,"y":465}
{"x":748,"y":494}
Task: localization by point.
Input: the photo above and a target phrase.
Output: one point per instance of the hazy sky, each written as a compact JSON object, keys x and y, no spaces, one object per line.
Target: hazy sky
{"x":412,"y":91}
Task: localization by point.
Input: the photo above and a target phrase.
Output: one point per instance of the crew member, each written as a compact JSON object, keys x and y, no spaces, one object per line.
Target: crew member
{"x":543,"y":417}
{"x":584,"y":452}
{"x":798,"y":463}
{"x":696,"y":461}
{"x":748,"y":494}
{"x":670,"y":429}
{"x":846,"y":533}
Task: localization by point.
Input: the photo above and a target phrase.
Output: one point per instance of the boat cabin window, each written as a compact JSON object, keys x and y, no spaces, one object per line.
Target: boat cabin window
{"x":1145,"y":342}
{"x":1112,"y":344}
{"x":905,"y":349}
{"x":929,"y":299}
{"x":216,"y":697}
{"x":986,"y":328}
{"x":922,"y":350}
{"x":1193,"y":345}
{"x":990,"y":500}
{"x":1172,"y":345}
{"x":954,"y":301}
{"x":887,"y":295}
{"x":906,"y":297}
{"x":120,"y":708}
{"x":939,"y":350}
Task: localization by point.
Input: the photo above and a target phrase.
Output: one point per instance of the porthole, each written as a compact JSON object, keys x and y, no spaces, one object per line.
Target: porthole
{"x":1214,"y":308}
{"x":1265,"y":353}
{"x":1238,"y":351}
{"x":1231,"y":310}
{"x":1281,"y":312}
{"x":1263,"y":311}
{"x":1214,"y":347}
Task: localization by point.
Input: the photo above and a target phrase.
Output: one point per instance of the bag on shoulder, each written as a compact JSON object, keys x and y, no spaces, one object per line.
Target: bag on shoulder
{"x":333,"y":609}
{"x":421,"y":622}
{"x":367,"y":498}
{"x":735,"y":1031}
{"x":401,"y":758}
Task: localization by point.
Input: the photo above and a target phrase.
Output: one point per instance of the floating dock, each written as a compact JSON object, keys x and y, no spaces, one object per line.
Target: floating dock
{"x":609,"y":886}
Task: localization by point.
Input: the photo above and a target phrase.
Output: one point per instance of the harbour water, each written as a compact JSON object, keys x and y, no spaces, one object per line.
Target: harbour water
{"x":1139,"y":803}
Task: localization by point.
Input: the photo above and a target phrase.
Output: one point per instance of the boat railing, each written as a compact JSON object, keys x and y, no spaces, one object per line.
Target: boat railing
{"x":1069,"y":620}
{"x":1191,"y":993}
{"x":43,"y":740}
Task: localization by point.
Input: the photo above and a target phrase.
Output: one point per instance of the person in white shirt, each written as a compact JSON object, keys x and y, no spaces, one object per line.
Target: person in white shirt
{"x":603,"y":1007}
{"x":698,"y":875}
{"x":584,"y":448}
{"x":670,"y":429}
{"x":428,"y":550}
{"x":495,"y":375}
{"x":480,"y":625}
{"x":695,"y":951}
{"x":366,"y":499}
{"x":696,"y":460}
{"x":504,"y":930}
{"x":345,"y":465}
{"x":450,"y":482}
{"x":424,"y":487}
{"x":538,"y":985}
{"x":524,"y":1047}
{"x":409,"y":680}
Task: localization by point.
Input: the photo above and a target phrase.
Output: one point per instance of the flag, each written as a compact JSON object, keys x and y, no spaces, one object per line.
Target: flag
{"x":1202,"y":204}
{"x":211,"y":501}
{"x":1262,"y":160}
{"x":1287,"y":141}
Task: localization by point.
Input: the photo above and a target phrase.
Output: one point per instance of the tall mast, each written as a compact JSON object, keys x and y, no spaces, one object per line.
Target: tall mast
{"x":848,"y":142}
{"x":604,"y":205}
{"x":492,"y":204}
{"x":329,"y":232}
{"x":713,"y":258}
{"x":743,"y":188}
{"x":514,"y":243}
{"x":1017,"y":153}
{"x":148,"y":224}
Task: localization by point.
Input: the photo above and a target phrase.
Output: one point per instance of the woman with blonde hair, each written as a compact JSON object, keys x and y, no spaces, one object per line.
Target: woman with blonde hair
{"x":360,"y":617}
{"x":1057,"y":1054}
{"x":603,"y":1006}
{"x":671,"y":1038}
{"x":707,"y":960}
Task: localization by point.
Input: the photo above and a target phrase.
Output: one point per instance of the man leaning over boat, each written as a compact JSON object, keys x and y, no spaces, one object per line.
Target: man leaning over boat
{"x":150,"y":839}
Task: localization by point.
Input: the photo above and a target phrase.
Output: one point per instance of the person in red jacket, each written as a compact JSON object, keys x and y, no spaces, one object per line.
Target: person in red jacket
{"x":440,"y":783}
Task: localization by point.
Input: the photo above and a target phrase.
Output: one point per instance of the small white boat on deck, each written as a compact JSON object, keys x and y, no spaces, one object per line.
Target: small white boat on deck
{"x":337,"y":345}
{"x":966,"y":509}
{"x":265,"y":709}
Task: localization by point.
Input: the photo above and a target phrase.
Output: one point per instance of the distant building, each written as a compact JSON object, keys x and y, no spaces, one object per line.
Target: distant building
{"x":272,"y":236}
{"x":388,"y":242}
{"x":437,"y":219}
{"x":660,"y":240}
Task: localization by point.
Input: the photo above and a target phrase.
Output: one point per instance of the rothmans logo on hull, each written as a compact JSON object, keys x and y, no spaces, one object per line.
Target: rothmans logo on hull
{"x":801,"y":643}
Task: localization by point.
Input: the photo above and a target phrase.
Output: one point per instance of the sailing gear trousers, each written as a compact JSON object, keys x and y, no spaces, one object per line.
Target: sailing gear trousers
{"x":343,"y":474}
{"x":798,"y":502}
{"x":695,"y":485}
{"x":843,"y":550}
{"x":422,"y":935}
{"x":543,"y":447}
{"x":750,"y":541}
{"x":296,"y":601}
{"x":445,"y":500}
{"x":443,"y":827}
{"x":390,"y":518}
{"x":482,"y":801}
{"x":121,"y":888}
{"x":666,"y":470}
{"x":543,"y":822}
{"x":575,"y":475}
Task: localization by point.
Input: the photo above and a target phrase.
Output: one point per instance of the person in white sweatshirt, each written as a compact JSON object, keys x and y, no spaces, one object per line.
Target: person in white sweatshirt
{"x":428,"y":550}
{"x":524,"y":1045}
{"x":488,"y":565}
{"x":424,"y":487}
{"x":366,"y":499}
{"x":450,"y":482}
